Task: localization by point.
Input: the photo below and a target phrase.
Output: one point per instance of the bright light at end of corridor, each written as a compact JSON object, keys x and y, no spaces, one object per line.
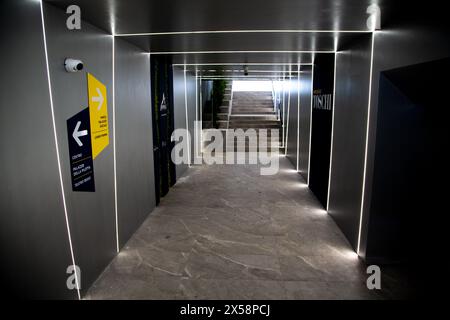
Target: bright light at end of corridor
{"x":246,"y":85}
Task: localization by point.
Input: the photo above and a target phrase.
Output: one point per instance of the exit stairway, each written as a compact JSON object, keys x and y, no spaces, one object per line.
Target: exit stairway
{"x":224,"y":109}
{"x":251,"y":110}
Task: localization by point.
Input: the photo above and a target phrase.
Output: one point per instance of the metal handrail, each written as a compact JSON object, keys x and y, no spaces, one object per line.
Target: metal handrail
{"x":274,"y":99}
{"x":230,"y":105}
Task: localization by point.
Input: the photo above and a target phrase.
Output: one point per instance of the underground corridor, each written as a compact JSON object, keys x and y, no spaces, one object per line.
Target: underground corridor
{"x":237,"y":150}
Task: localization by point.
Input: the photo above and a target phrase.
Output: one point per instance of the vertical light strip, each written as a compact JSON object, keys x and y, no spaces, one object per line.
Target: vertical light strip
{"x":196,"y":95}
{"x":57,"y":149}
{"x":288,"y":115}
{"x":197,"y":150}
{"x":332,"y":132}
{"x":310,"y":122}
{"x":367,"y":144}
{"x":298,"y":115}
{"x":187,"y":120}
{"x":283,"y":122}
{"x":201,"y":116}
{"x":196,"y":155}
{"x":114,"y":139}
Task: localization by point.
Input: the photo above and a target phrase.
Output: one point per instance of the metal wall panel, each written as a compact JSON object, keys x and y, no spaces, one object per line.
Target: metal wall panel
{"x":91,"y":214}
{"x":191,"y":106}
{"x":321,"y":126}
{"x":134,"y":138}
{"x":350,"y":122}
{"x":180,"y":108}
{"x":405,"y":43}
{"x":304,"y":127}
{"x":292,"y":121}
{"x":33,"y":237}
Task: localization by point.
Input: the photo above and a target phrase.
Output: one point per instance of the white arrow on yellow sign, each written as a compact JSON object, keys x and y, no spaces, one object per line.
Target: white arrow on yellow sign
{"x":98,"y":114}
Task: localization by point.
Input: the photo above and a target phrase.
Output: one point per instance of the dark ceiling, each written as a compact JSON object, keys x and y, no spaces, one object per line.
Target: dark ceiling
{"x":138,"y":16}
{"x":280,"y":29}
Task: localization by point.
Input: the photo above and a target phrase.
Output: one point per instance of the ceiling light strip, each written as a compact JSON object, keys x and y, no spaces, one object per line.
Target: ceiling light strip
{"x":256,"y":71}
{"x":171,"y":33}
{"x":242,"y":64}
{"x":238,"y":51}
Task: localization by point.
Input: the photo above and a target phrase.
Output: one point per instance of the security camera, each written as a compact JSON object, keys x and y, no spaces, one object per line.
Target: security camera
{"x":245,"y":70}
{"x":73,"y":65}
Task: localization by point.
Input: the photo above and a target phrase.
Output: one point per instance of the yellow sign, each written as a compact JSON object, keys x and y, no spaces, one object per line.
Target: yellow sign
{"x":98,"y":113}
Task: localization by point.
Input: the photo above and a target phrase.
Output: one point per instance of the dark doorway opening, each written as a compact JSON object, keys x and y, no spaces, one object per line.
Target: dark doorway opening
{"x":322,"y":115}
{"x":409,"y":190}
{"x":163,"y":124}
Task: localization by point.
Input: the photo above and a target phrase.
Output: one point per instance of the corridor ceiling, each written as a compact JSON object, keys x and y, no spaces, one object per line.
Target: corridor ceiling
{"x":231,"y":31}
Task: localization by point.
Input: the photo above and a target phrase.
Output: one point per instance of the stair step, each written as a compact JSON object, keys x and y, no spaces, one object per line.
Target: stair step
{"x":254,"y":94}
{"x":252,"y":111}
{"x":268,"y":131}
{"x":247,"y":102}
{"x":222,"y":116}
{"x":255,"y":106}
{"x":222,"y":124}
{"x":236,"y":117}
{"x":252,"y":106}
{"x":244,"y":120}
{"x":253,"y":126}
{"x":246,"y":142}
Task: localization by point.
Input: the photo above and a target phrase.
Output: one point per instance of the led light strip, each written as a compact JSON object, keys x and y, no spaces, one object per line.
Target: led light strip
{"x":242,"y":64}
{"x":283,"y":122}
{"x":57,"y":149}
{"x":187,"y":120}
{"x":287,"y":119}
{"x":197,"y":150}
{"x":367,"y":145}
{"x":238,"y":51}
{"x":256,"y":71}
{"x":246,"y":77}
{"x":201,"y":116}
{"x":332,"y":133}
{"x":310,"y":123}
{"x":114,"y":140}
{"x":196,"y":95}
{"x":170,"y":33}
{"x":298,"y":116}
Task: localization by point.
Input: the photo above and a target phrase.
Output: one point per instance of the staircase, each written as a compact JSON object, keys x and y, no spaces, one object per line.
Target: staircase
{"x":252,"y":110}
{"x":224,"y":109}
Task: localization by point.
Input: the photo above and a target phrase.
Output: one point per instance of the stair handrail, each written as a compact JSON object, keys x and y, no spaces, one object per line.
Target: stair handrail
{"x":230,"y":105}
{"x":274,"y":99}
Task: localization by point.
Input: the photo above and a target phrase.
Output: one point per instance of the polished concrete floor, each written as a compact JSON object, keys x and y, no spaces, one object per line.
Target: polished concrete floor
{"x":226,"y":232}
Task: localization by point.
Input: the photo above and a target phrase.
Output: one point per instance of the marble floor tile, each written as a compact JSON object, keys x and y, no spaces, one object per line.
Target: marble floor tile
{"x":226,"y":232}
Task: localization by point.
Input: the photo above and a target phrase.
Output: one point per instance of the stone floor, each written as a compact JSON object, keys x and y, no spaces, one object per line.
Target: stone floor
{"x":226,"y":232}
